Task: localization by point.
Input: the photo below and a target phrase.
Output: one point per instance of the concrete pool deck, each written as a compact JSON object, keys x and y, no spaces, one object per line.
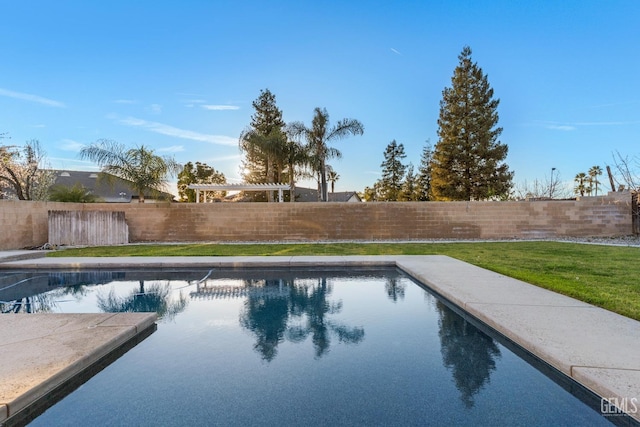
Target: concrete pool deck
{"x":43,"y":352}
{"x":597,"y":348}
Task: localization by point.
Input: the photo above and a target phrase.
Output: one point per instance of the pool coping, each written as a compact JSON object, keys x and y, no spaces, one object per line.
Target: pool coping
{"x":44,"y":353}
{"x":597,"y":348}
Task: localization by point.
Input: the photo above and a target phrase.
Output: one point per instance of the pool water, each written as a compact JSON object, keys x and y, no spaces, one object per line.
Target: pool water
{"x":285,"y":347}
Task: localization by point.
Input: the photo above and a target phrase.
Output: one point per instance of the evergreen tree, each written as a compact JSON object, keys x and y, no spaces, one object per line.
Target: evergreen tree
{"x":372,"y":194}
{"x":267,"y":116}
{"x":263,"y":141}
{"x":410,"y":191}
{"x":200,"y":174}
{"x":369,"y":194}
{"x":468,"y":160}
{"x":392,"y":171}
{"x":423,"y":180}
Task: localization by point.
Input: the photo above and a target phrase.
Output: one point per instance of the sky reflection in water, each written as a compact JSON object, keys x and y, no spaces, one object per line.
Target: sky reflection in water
{"x":293,"y":347}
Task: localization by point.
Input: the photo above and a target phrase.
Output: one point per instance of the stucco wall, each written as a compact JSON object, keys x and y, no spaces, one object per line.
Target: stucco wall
{"x":24,"y":224}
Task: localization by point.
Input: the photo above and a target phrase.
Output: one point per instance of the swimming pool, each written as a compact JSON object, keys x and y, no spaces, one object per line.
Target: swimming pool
{"x":286,"y":347}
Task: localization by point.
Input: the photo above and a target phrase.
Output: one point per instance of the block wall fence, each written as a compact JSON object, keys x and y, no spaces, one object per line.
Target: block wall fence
{"x":25,"y":223}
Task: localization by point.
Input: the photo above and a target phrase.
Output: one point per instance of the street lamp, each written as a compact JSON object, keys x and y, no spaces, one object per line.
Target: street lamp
{"x":551,"y":184}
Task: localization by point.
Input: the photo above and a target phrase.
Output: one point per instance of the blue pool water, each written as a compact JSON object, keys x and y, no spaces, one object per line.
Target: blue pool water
{"x":368,"y":347}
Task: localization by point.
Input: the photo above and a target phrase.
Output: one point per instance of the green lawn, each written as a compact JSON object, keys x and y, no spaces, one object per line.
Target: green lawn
{"x":606,"y":276}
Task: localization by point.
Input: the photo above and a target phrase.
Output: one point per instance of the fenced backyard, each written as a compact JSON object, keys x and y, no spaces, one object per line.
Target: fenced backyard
{"x":26,"y":224}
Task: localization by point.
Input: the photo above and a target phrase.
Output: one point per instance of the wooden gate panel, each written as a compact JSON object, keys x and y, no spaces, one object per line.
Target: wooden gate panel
{"x":87,"y":228}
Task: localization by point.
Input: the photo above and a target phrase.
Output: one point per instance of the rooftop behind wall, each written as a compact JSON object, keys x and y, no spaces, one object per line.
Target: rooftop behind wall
{"x":24,"y":224}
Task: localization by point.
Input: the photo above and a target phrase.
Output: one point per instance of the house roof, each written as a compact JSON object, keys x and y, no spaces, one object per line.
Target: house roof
{"x":344,"y":196}
{"x":109,"y":190}
{"x":303,"y":194}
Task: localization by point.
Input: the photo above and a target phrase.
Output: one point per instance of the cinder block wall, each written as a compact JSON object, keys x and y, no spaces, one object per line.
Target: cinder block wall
{"x":24,"y":224}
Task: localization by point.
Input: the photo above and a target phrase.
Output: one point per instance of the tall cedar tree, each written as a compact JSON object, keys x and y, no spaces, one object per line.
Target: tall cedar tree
{"x":410,"y":190}
{"x":392,"y":171}
{"x":468,"y":160}
{"x":258,"y":141}
{"x":423,"y":180}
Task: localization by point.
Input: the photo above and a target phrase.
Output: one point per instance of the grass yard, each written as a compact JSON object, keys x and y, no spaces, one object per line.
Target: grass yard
{"x":606,"y":276}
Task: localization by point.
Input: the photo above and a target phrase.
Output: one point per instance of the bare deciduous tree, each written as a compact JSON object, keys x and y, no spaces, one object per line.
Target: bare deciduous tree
{"x":627,"y":170}
{"x":21,"y":172}
{"x":550,"y":187}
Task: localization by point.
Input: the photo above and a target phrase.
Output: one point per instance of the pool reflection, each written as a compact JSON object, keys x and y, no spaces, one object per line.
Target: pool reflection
{"x":301,"y":309}
{"x":467,"y":352}
{"x":156,"y":297}
{"x":370,"y":344}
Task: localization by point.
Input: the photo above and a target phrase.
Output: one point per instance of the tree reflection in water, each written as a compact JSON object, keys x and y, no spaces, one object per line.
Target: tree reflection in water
{"x":299,"y":310}
{"x":468,"y":352}
{"x":41,"y":303}
{"x":395,"y":288}
{"x":35,"y":295}
{"x":155,"y":298}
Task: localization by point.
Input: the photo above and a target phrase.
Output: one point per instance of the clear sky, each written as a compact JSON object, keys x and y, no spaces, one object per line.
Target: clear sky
{"x":180,"y":76}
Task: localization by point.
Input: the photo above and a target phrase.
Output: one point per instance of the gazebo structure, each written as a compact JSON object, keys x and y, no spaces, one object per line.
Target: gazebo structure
{"x":205,"y":188}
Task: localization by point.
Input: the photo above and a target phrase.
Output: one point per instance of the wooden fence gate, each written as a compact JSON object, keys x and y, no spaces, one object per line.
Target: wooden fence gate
{"x":87,"y":228}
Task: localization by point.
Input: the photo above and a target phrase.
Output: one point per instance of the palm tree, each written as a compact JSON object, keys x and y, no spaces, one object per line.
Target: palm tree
{"x":279,"y":153}
{"x":140,"y":166}
{"x":76,"y":194}
{"x":594,"y":173}
{"x":156,"y":298}
{"x":319,"y":135}
{"x":580,"y":180}
{"x":332,"y":177}
{"x":297,"y":160}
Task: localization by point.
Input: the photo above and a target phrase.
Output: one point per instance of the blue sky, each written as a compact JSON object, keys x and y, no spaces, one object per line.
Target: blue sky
{"x":180,"y":77}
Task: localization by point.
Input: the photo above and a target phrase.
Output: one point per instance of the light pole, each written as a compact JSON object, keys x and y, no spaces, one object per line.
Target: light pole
{"x":551,"y":184}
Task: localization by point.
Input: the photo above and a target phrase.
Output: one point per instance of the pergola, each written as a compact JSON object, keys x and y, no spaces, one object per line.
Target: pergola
{"x":205,"y":188}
